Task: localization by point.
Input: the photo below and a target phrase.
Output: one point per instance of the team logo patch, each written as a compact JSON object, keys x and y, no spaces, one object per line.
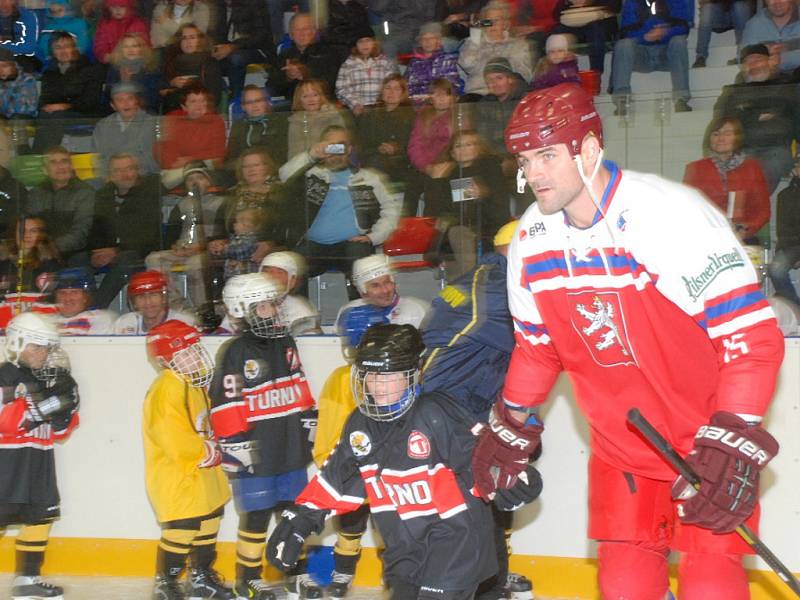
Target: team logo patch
{"x":598,"y":319}
{"x":360,"y":443}
{"x":251,"y":369}
{"x":418,"y":445}
{"x":292,"y":359}
{"x":522,"y":235}
{"x":622,"y":222}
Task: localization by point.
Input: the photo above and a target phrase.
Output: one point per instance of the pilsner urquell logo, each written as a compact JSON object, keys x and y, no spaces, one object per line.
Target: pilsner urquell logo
{"x":717,"y":263}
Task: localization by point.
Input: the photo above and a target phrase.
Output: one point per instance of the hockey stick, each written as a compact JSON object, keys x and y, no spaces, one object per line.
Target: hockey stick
{"x":666,"y":450}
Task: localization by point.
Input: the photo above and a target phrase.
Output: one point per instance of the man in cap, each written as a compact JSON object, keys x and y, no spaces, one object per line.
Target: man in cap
{"x":77,"y":314}
{"x":506,"y":89}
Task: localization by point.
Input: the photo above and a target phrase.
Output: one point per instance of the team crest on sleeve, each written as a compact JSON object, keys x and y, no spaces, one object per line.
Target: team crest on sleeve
{"x":360,"y":443}
{"x":419,"y":446}
{"x":251,"y":369}
{"x":600,"y":322}
{"x":292,"y":359}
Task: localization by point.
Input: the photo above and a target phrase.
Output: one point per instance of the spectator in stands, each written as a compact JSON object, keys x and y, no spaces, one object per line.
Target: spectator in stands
{"x":242,"y":34}
{"x":13,"y":193}
{"x":492,"y":41}
{"x":119,"y":18}
{"x":260,"y":127}
{"x":402,"y":19}
{"x":127,"y":224}
{"x":559,"y":65}
{"x":305,"y":59}
{"x":778,"y":27}
{"x":349,"y":210}
{"x":506,"y":89}
{"x":383,"y":131}
{"x":653,"y":39}
{"x":596,"y":34}
{"x":787,"y":252}
{"x":59,"y":17}
{"x":717,"y":15}
{"x":346,"y":20}
{"x":128,"y":130}
{"x":731,"y":180}
{"x":65,"y":203}
{"x":188,"y":63}
{"x":467,"y":195}
{"x":71,"y":92}
{"x":77,"y":313}
{"x":19,"y":33}
{"x":766,"y":104}
{"x":148,"y":300}
{"x":41,"y":259}
{"x":535,"y":19}
{"x":19,"y":91}
{"x":134,"y":62}
{"x":243,"y":242}
{"x":430,"y":62}
{"x":358,"y":84}
{"x":282,"y":223}
{"x":192,"y":223}
{"x":289,"y":269}
{"x":313,"y":112}
{"x":169,"y":15}
{"x":195,"y":132}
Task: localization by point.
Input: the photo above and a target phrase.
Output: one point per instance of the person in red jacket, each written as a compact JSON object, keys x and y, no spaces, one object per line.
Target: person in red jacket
{"x":119,"y":18}
{"x":731,"y":180}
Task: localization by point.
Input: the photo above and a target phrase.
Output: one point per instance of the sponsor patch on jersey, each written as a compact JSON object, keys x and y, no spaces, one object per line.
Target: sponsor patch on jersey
{"x":292,"y":359}
{"x":251,"y":369}
{"x":360,"y":443}
{"x":718,"y":262}
{"x":419,"y":446}
{"x":599,"y":320}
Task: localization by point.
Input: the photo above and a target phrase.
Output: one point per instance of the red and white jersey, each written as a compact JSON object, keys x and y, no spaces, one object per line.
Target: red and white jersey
{"x":654,"y":306}
{"x":95,"y":321}
{"x":131,"y":323}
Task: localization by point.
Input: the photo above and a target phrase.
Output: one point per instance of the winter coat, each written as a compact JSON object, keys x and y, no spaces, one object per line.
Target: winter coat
{"x":110,"y":31}
{"x":473,"y":57}
{"x":81,"y":85}
{"x":423,"y":69}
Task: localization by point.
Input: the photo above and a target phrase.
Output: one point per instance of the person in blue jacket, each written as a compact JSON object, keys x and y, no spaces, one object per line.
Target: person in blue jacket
{"x":653,"y":38}
{"x":59,"y":17}
{"x":19,"y":32}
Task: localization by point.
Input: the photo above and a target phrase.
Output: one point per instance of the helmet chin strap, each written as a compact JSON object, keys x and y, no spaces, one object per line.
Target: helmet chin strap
{"x":588,"y":180}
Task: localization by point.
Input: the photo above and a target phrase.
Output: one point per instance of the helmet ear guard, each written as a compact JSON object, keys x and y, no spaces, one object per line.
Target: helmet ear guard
{"x":29,"y":328}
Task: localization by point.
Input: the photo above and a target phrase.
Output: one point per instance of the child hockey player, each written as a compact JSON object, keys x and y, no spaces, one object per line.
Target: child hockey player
{"x":261,"y":401}
{"x":37,"y":408}
{"x":185,"y":484}
{"x":409,"y":458}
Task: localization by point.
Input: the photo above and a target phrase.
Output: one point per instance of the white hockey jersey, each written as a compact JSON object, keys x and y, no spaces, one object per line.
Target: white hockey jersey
{"x":131,"y":323}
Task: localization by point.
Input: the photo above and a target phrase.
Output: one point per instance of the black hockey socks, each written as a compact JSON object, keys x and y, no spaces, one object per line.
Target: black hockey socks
{"x":173,"y":548}
{"x":250,"y":542}
{"x":204,"y":545}
{"x":30,"y":546}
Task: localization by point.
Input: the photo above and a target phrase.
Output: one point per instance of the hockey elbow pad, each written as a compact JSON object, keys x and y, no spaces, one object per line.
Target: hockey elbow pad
{"x":525,"y":490}
{"x":239,"y":454}
{"x":287,"y":540}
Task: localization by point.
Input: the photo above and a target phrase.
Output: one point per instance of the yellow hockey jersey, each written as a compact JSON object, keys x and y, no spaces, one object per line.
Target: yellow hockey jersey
{"x":335,"y":404}
{"x":175,"y":425}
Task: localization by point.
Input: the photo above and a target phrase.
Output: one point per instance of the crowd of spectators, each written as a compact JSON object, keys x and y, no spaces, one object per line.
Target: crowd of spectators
{"x":384,"y":110}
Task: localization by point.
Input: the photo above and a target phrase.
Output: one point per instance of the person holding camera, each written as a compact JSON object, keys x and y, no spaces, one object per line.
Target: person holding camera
{"x":348,"y":210}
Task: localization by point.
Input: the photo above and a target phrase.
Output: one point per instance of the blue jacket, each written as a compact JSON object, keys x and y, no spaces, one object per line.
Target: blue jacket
{"x":640,"y":16}
{"x":76,"y":26}
{"x":469,"y":337}
{"x":761,"y":29}
{"x":26,"y":34}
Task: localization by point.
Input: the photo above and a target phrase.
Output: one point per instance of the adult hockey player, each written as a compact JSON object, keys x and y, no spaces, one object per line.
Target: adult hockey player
{"x":409,"y":457}
{"x":37,"y":409}
{"x":149,"y":303}
{"x":185,"y":484}
{"x":261,"y":415}
{"x":288,"y":268}
{"x":468,"y":338}
{"x":380,"y":301}
{"x":77,"y":315}
{"x":598,"y":287}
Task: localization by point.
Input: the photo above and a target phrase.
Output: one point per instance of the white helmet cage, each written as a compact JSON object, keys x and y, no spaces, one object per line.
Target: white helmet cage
{"x":29,"y":328}
{"x":194,"y":363}
{"x":250,"y":290}
{"x":383,"y":395}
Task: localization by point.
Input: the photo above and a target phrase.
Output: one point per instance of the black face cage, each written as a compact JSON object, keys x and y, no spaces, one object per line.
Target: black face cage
{"x":266,"y":327}
{"x":380,"y":404}
{"x":55,"y":365}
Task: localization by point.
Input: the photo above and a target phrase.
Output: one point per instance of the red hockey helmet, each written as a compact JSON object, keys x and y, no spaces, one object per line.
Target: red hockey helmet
{"x":562,"y":114}
{"x":176,"y":345}
{"x":145,"y":282}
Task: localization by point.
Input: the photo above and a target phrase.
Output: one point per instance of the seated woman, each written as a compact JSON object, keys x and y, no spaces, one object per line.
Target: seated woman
{"x":383,"y":131}
{"x":133,"y":61}
{"x":731,"y":180}
{"x":60,"y":17}
{"x":72,"y":90}
{"x":169,"y":15}
{"x":188,"y":62}
{"x":119,"y":17}
{"x":430,"y":62}
{"x":313,"y":112}
{"x":467,"y":194}
{"x":38,"y":254}
{"x":359,"y":80}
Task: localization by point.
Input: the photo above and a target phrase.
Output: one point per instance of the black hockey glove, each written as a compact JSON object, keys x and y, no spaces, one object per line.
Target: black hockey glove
{"x":286,"y":542}
{"x":525,"y":491}
{"x":239,"y":454}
